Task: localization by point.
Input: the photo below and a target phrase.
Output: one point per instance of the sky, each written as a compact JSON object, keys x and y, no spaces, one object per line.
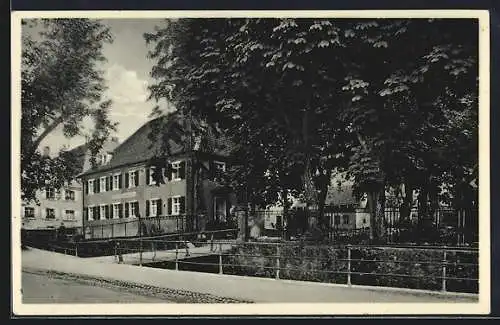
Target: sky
{"x":127,"y":75}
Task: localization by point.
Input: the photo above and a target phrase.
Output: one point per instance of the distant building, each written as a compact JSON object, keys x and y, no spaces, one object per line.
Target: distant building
{"x":61,"y":206}
{"x":345,"y":210}
{"x":116,"y":195}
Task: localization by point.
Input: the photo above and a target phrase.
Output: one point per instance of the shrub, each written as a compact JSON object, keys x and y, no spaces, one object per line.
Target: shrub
{"x":388,"y":266}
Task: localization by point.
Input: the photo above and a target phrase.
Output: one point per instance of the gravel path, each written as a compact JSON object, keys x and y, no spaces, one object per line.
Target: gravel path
{"x":162,"y":295}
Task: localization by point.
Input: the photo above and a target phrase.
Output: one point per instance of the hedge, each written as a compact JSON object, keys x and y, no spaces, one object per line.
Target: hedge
{"x":391,"y":267}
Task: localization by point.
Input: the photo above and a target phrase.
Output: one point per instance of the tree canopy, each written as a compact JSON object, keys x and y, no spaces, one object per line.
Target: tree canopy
{"x":61,"y":84}
{"x":390,"y":101}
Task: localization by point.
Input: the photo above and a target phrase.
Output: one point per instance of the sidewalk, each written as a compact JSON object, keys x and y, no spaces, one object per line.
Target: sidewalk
{"x":237,"y":287}
{"x":163,"y":255}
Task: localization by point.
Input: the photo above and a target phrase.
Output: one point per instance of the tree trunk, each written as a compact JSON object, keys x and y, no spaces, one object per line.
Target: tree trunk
{"x":324,"y":182}
{"x":285,"y":222}
{"x":423,"y":211}
{"x":376,"y":204}
{"x":246,"y":233}
{"x":406,"y":207}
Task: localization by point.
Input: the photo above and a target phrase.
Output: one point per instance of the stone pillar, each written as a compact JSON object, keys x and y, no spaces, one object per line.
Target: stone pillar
{"x":240,"y":214}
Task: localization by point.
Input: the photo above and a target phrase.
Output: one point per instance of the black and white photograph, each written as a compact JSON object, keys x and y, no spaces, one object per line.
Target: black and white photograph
{"x":330,"y":163}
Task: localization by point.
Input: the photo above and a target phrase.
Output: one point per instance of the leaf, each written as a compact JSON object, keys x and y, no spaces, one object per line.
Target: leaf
{"x":349,"y":33}
{"x":288,"y":65}
{"x":380,"y":44}
{"x":316,"y":26}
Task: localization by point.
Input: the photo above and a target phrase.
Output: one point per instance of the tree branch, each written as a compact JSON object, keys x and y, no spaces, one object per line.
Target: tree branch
{"x":361,"y":141}
{"x":46,"y":132}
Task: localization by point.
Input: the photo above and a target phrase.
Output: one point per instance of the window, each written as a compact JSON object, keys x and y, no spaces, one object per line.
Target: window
{"x":337,"y":220}
{"x":150,"y":174}
{"x":102,"y":214}
{"x":91,"y":186}
{"x":50,"y":213}
{"x":220,"y":166}
{"x":133,"y":209}
{"x":176,"y":205}
{"x":69,"y":214}
{"x":50,"y":193}
{"x":364,"y":220}
{"x":104,"y":158}
{"x":154,"y":207}
{"x":29,"y":212}
{"x":102,"y":185}
{"x":176,"y":171}
{"x":116,"y":182}
{"x":220,"y":209}
{"x":133,"y":179}
{"x":100,"y":159}
{"x":91,"y":213}
{"x":69,"y":195}
{"x":117,"y":211}
{"x":345,"y":219}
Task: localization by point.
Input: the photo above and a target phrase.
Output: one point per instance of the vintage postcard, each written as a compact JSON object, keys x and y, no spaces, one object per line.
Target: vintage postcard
{"x":250,"y":162}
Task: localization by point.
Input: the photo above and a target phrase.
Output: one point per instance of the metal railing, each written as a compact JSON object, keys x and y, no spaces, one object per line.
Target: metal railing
{"x":444,"y":269}
{"x":149,"y":226}
{"x":438,"y":268}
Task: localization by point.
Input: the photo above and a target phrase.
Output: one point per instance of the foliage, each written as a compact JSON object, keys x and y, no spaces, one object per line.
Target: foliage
{"x":61,"y":84}
{"x":306,"y":98}
{"x":394,"y":267}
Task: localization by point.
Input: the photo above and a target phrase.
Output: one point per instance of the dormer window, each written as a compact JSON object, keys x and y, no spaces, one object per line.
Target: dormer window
{"x":50,"y":193}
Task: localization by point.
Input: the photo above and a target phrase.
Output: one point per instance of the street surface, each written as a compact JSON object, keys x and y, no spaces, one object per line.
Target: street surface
{"x":39,"y":288}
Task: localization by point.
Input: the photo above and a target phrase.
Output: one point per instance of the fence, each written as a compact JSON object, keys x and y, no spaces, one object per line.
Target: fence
{"x":148,"y":226}
{"x":117,"y":246}
{"x":447,"y":226}
{"x":438,"y":268}
{"x":351,"y":225}
{"x":452,"y":269}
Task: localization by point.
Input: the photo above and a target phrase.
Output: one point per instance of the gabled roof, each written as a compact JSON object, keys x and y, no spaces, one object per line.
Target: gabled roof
{"x":80,"y":154}
{"x":140,"y":146}
{"x":340,"y":195}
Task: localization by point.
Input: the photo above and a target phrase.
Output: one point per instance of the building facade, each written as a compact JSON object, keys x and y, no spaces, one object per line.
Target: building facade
{"x":57,"y":207}
{"x":122,"y":198}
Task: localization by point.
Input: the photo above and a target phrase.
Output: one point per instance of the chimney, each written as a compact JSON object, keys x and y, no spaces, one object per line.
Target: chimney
{"x":114,"y":139}
{"x":46,"y":151}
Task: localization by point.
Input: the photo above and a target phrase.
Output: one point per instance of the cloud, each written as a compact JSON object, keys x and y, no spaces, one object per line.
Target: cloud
{"x":129,"y":108}
{"x":125,"y":88}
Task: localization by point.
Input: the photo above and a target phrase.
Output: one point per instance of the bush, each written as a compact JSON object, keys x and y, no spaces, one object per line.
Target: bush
{"x":393,"y":267}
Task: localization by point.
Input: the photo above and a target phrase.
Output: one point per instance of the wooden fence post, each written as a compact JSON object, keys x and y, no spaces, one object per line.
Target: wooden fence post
{"x":348,"y":264}
{"x":278,"y":262}
{"x":443,"y":277}
{"x":140,"y":251}
{"x":220,"y":259}
{"x":176,"y":256}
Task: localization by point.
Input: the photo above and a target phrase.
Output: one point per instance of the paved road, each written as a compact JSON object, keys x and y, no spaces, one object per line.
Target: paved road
{"x":39,"y":288}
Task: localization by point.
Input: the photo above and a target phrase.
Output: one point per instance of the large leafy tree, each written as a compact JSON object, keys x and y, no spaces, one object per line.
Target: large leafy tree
{"x":62,"y":84}
{"x":237,"y":73}
{"x":307,"y":97}
{"x":409,"y":107}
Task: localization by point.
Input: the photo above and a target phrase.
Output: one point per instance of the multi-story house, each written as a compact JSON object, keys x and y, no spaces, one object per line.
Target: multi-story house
{"x":122,"y":199}
{"x":342,"y":209}
{"x":62,"y":206}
